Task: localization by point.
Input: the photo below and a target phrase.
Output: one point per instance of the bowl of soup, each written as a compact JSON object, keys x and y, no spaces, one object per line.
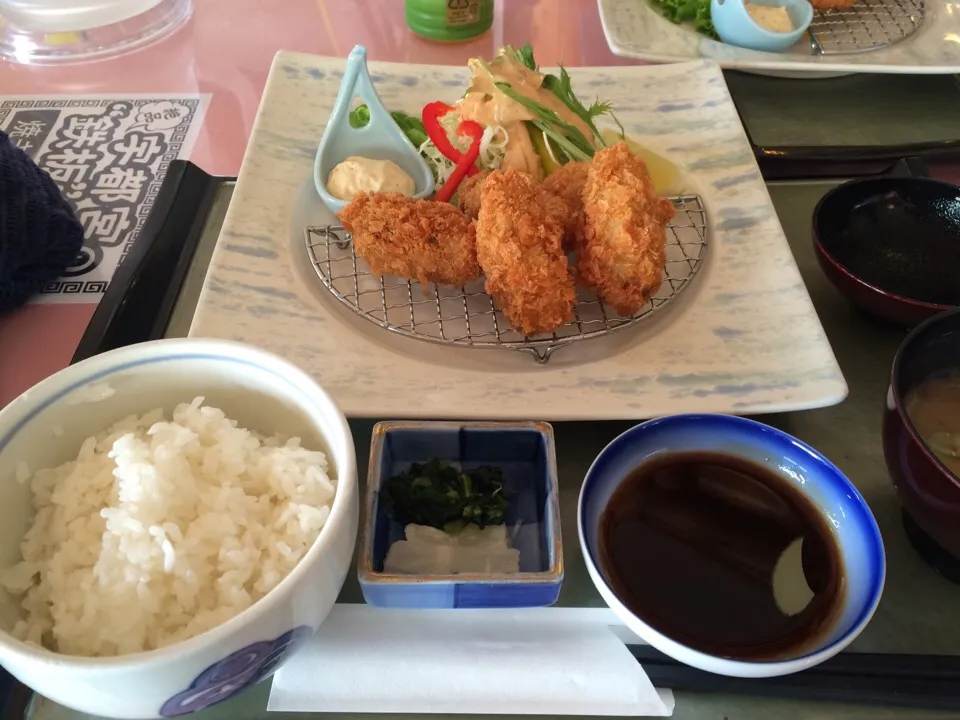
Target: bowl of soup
{"x":729,"y":545}
{"x":891,"y":246}
{"x":921,"y":428}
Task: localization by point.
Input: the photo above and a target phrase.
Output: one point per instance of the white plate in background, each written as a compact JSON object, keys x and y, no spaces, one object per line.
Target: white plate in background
{"x":637,"y":29}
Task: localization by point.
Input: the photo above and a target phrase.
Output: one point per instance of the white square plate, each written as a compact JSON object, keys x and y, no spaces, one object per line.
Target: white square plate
{"x":743,"y":338}
{"x":637,"y":29}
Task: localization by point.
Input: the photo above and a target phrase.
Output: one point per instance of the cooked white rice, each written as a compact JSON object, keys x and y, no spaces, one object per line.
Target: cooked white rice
{"x":161,"y":530}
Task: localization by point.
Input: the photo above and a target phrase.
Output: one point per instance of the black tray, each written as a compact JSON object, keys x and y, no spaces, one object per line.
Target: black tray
{"x":140,"y":299}
{"x":138,"y":305}
{"x":787,"y":163}
{"x":930,"y":682}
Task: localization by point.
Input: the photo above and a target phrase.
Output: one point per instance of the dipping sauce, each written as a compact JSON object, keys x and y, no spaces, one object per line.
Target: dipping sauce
{"x":694,"y":544}
{"x":934,"y":410}
{"x":770,"y":17}
{"x":359,"y":175}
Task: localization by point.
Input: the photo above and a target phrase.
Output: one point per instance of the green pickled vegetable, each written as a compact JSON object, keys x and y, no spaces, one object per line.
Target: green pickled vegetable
{"x":439,"y":493}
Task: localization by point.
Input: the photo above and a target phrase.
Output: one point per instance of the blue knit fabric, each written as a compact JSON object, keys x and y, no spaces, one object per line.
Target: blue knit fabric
{"x":40,"y":235}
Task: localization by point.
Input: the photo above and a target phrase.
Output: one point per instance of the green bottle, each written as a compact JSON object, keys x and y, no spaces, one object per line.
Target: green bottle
{"x":449,"y":20}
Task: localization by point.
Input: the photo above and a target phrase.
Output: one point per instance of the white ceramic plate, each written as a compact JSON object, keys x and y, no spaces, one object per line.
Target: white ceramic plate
{"x":635,"y":28}
{"x":744,"y":338}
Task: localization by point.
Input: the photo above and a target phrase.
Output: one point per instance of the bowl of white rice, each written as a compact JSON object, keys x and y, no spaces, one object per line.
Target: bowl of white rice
{"x":176,"y":519}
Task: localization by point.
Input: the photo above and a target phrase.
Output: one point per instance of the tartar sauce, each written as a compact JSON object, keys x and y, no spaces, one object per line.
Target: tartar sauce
{"x":771,"y":17}
{"x":359,"y":174}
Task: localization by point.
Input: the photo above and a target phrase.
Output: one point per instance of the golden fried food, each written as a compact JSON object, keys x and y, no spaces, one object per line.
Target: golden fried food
{"x":468,"y":194}
{"x":431,"y":242}
{"x":567,"y":183}
{"x":832,"y":4}
{"x":624,"y":241}
{"x":557,"y":209}
{"x":519,"y":246}
{"x":470,"y":191}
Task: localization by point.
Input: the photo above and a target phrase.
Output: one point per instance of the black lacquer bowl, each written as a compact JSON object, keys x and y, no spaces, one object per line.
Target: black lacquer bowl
{"x":891,"y":245}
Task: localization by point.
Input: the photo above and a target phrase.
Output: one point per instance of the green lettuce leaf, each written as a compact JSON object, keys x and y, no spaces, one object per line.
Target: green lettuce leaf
{"x":697,"y":11}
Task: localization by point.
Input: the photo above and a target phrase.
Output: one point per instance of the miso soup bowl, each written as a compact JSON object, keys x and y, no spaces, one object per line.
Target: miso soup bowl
{"x":849,"y":518}
{"x":902,"y":277}
{"x":928,"y":491}
{"x":45,"y":427}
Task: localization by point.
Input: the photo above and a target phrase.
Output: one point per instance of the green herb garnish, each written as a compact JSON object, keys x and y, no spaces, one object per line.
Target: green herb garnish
{"x":411,"y":126}
{"x":438,"y":493}
{"x":562,"y":87}
{"x":525,"y":55}
{"x":359,"y":116}
{"x":696,"y":10}
{"x":568,"y":138}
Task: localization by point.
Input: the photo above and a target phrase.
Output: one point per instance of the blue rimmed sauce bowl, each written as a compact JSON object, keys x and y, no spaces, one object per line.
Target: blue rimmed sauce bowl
{"x":735,"y":25}
{"x":526,"y":454}
{"x":848,"y":518}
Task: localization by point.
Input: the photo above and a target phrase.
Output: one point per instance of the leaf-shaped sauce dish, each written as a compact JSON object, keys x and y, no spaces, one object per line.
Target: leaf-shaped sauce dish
{"x":381,"y":139}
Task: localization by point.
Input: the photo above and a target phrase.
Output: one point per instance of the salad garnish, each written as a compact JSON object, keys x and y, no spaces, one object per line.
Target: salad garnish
{"x":512,"y":116}
{"x":466,"y":162}
{"x":568,"y":142}
{"x":526,"y":120}
{"x":698,"y":11}
{"x":436,"y":132}
{"x":563,"y":89}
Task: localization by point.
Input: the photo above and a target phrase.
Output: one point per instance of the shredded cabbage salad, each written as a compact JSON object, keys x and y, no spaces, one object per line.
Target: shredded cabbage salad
{"x":493,"y":147}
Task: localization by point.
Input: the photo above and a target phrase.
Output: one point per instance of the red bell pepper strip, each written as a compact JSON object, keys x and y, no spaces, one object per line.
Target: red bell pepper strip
{"x":431,"y":115}
{"x":467,"y":160}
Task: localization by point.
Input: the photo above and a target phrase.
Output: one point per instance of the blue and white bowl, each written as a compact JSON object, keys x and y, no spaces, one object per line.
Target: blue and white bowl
{"x":525,"y":452}
{"x":855,"y":529}
{"x":736,"y":26}
{"x":45,"y":427}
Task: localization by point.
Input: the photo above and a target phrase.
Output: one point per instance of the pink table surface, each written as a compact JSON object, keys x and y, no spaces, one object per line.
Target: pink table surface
{"x":226,"y":50}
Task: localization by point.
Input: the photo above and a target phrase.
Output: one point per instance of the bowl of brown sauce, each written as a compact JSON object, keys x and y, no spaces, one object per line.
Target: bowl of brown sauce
{"x":921,"y":429}
{"x":729,"y":545}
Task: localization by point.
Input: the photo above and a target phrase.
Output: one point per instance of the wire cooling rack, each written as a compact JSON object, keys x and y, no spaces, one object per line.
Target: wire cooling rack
{"x":864,"y":26}
{"x":467,"y":317}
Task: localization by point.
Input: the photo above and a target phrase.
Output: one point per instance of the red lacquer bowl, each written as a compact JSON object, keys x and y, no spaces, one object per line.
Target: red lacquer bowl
{"x":928,"y":491}
{"x":892,"y":246}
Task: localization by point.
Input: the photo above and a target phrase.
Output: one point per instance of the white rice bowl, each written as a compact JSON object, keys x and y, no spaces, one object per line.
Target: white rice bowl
{"x":45,"y":428}
{"x":161,"y":529}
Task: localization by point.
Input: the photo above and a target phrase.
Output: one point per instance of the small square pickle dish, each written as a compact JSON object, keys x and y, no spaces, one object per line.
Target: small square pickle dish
{"x":525,"y":453}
